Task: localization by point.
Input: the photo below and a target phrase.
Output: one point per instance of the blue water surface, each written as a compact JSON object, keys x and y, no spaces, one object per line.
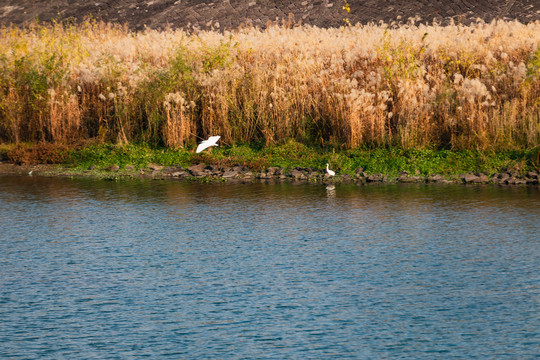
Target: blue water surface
{"x":94,"y":269}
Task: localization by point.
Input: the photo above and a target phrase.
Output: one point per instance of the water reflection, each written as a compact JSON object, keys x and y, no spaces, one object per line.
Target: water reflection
{"x":331,"y":191}
{"x":135,"y":191}
{"x":171,"y":269}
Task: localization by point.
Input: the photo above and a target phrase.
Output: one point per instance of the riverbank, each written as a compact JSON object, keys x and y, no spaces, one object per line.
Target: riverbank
{"x":210,"y":173}
{"x":291,"y":161}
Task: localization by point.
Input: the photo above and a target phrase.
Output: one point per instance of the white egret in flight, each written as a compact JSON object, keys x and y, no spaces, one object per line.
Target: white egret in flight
{"x":212,"y":140}
{"x":328,"y":171}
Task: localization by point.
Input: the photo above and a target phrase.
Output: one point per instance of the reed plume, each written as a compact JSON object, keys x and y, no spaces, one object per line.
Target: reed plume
{"x":412,"y":86}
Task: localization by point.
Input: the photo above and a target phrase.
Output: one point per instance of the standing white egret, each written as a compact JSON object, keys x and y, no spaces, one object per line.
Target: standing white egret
{"x":212,"y":140}
{"x":328,"y":171}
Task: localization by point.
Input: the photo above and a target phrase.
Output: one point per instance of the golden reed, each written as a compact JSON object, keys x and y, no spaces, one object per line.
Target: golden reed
{"x":460,"y":87}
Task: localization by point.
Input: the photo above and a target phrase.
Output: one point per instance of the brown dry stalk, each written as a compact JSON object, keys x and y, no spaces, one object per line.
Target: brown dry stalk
{"x":456,"y":86}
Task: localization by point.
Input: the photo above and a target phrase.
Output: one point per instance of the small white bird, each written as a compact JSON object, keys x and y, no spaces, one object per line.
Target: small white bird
{"x":212,"y":140}
{"x":328,"y":171}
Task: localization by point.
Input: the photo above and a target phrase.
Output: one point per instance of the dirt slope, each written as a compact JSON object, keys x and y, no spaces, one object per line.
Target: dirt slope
{"x":226,"y":14}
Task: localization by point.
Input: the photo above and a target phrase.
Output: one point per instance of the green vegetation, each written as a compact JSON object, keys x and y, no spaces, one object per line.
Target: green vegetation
{"x":421,"y":99}
{"x":388,"y":161}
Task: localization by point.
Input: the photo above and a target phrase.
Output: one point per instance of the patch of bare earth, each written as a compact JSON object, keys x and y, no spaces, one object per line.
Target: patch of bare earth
{"x":227,"y":14}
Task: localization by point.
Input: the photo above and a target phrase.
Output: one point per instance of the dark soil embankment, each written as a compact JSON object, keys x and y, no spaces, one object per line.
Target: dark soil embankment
{"x":227,"y":14}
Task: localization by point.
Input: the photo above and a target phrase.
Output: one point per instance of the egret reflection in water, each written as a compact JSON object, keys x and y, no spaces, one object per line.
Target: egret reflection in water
{"x":331,"y":190}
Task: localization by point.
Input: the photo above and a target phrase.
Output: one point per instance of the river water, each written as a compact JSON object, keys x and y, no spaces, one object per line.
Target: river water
{"x":95,"y":269}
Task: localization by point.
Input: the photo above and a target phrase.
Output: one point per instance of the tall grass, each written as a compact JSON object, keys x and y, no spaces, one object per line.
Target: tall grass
{"x":412,"y":86}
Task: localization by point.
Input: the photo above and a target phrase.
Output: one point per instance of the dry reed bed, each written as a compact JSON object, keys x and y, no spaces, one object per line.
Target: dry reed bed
{"x":460,"y":87}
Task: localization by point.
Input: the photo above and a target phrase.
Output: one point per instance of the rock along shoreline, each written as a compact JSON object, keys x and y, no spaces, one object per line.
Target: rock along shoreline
{"x":241,"y":174}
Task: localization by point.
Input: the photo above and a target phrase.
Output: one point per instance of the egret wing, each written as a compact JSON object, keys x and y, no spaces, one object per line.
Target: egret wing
{"x":203,"y":145}
{"x":207,"y":143}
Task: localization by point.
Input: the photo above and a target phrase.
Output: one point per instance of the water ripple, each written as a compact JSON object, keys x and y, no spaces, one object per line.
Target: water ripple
{"x":106,"y":270}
